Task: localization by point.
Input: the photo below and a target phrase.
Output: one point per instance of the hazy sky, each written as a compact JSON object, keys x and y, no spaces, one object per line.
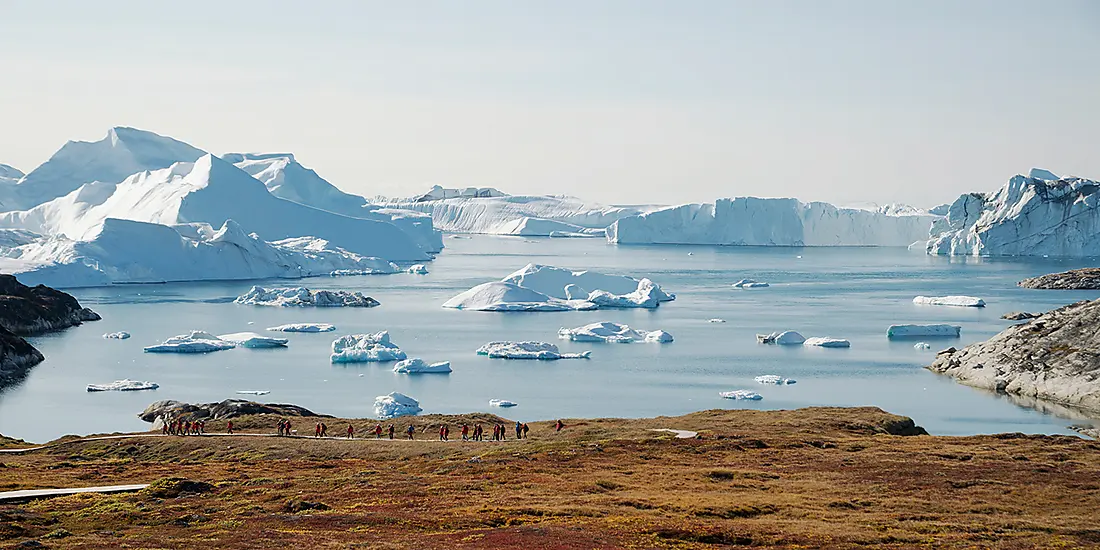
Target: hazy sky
{"x":617,"y":101}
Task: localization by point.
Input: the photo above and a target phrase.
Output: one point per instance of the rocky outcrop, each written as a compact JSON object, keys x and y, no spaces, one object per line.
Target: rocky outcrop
{"x":17,"y":357}
{"x":230,"y":408}
{"x":1020,"y":316}
{"x":1078,"y":279}
{"x":1055,"y":357}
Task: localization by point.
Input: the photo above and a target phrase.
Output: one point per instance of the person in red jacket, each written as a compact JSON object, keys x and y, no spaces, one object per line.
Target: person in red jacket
{"x":229,"y":427}
{"x":465,"y":432}
{"x":378,"y":431}
{"x":351,"y":431}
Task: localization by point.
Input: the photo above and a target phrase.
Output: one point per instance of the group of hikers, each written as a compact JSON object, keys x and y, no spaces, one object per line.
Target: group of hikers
{"x":180,"y":426}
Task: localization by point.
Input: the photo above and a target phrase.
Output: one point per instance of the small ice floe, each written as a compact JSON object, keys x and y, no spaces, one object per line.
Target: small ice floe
{"x":418,"y":269}
{"x":303,"y":327}
{"x":741,"y":395}
{"x":716,"y":320}
{"x":922,"y":345}
{"x":196,"y":341}
{"x":527,"y":350}
{"x":253,"y":340}
{"x":612,"y":332}
{"x":300,"y":297}
{"x":826,"y":342}
{"x":120,"y":335}
{"x":923,"y":331}
{"x":957,"y":301}
{"x":774,"y":379}
{"x":419,"y":366}
{"x":785,"y":338}
{"x":394,"y":405}
{"x":365,"y":348}
{"x":253,"y":392}
{"x":502,"y":403}
{"x":124,"y":385}
{"x":749,"y":283}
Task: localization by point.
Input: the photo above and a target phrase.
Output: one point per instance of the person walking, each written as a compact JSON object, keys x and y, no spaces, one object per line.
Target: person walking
{"x":519,"y":430}
{"x":378,"y":431}
{"x":229,"y":427}
{"x":559,"y":425}
{"x":351,"y":431}
{"x":441,"y":432}
{"x":287,"y":428}
{"x":446,"y":433}
{"x":317,"y":430}
{"x":409,"y":432}
{"x":279,"y":426}
{"x":465,"y":432}
{"x":163,"y":426}
{"x":324,"y":430}
{"x":525,"y":430}
{"x":503,"y":433}
{"x":391,"y":431}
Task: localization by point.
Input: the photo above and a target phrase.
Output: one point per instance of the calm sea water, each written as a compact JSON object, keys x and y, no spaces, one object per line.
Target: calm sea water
{"x":852,"y":293}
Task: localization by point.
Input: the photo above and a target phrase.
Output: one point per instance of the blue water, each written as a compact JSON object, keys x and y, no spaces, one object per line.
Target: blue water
{"x":852,"y":293}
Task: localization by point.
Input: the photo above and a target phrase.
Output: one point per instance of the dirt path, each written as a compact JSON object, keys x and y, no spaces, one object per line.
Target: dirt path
{"x":7,"y":496}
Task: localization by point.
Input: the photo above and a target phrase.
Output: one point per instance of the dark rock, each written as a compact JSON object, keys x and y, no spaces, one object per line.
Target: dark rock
{"x":17,"y":356}
{"x":1020,"y":316}
{"x":1078,"y":279}
{"x":295,"y":506}
{"x":230,"y":408}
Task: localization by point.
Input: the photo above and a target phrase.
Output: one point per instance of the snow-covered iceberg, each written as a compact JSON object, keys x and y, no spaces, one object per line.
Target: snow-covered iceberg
{"x":564,"y":283}
{"x":923,"y":331}
{"x":419,"y":366}
{"x":957,"y":301}
{"x":785,"y":338}
{"x":548,"y":288}
{"x":502,"y":403}
{"x":741,"y":395}
{"x":253,"y":340}
{"x":124,"y":385}
{"x":749,"y":283}
{"x":612,"y":332}
{"x":528,"y":350}
{"x":365,"y":348}
{"x":303,"y":327}
{"x":394,"y":405}
{"x":774,"y":379}
{"x":1035,"y":215}
{"x":505,"y":296}
{"x":771,"y":222}
{"x":120,"y":335}
{"x":196,"y":341}
{"x":827,"y":342}
{"x":302,"y":297}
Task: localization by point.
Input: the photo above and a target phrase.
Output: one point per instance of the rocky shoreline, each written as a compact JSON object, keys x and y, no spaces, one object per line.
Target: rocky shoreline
{"x":1077,"y":279}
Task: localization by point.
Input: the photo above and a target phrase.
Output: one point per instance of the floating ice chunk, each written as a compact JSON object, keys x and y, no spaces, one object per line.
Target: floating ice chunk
{"x":395,"y":405}
{"x":648,"y":295}
{"x":826,"y":342}
{"x":123,"y":385}
{"x":304,"y":327}
{"x":502,"y":403}
{"x":612,"y":332}
{"x":785,"y":338}
{"x":253,"y":392}
{"x":744,"y":395}
{"x":957,"y":301}
{"x":418,"y":269}
{"x":749,"y":283}
{"x":120,"y":335}
{"x":417,"y":366}
{"x":195,"y":341}
{"x":716,"y":320}
{"x":504,"y":296}
{"x":552,"y":281}
{"x":774,"y":379}
{"x":283,"y":297}
{"x":922,"y":345}
{"x":923,"y":331}
{"x":527,"y":350}
{"x":365,"y":348}
{"x":253,"y":340}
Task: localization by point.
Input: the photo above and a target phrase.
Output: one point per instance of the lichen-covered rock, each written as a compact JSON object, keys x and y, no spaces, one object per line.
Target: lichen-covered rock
{"x":1077,"y":279}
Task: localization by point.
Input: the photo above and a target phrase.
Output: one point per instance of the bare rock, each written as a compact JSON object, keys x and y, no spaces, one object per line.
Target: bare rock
{"x":1078,"y":279}
{"x":230,"y":408}
{"x":1020,"y":316}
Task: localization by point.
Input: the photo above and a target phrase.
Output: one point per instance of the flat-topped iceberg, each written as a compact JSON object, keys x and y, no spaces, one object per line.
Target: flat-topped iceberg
{"x":196,"y":341}
{"x":505,"y":296}
{"x":749,"y":283}
{"x":923,"y":331}
{"x":612,"y":332}
{"x":774,"y":379}
{"x":502,"y":403}
{"x":827,"y":342}
{"x":418,"y":366}
{"x":120,"y":335}
{"x":528,"y":350}
{"x":303,"y":327}
{"x":253,"y":340}
{"x":564,"y":283}
{"x":394,"y":405}
{"x":741,"y":395}
{"x":366,"y":348}
{"x":785,"y":338}
{"x":957,"y":301}
{"x":302,"y":297}
{"x":124,"y":385}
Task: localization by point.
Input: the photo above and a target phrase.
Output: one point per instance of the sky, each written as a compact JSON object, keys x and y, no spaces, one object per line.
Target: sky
{"x":618,"y":101}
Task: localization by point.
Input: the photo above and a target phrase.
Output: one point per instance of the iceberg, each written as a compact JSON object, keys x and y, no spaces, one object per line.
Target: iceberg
{"x":922,"y":346}
{"x":612,"y":332}
{"x":253,"y":392}
{"x":923,"y":331}
{"x":554,"y":282}
{"x":502,"y":403}
{"x":716,"y":320}
{"x":123,"y":385}
{"x":505,"y":296}
{"x":826,"y":342}
{"x":785,"y":338}
{"x":417,"y":269}
{"x":304,"y":327}
{"x":958,"y":301}
{"x":749,"y":283}
{"x":1035,"y":215}
{"x":742,"y":395}
{"x":394,"y":405}
{"x":417,"y":366}
{"x":301,"y":297}
{"x":527,"y":350}
{"x":774,"y":379}
{"x":120,"y":335}
{"x":648,"y":295}
{"x":438,"y":192}
{"x":539,"y":227}
{"x":364,"y":348}
{"x":253,"y":340}
{"x":195,"y":341}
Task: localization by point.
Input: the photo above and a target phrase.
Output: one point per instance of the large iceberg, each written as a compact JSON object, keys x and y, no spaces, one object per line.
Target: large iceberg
{"x":253,"y":340}
{"x":196,"y":341}
{"x":124,"y":385}
{"x":741,"y":395}
{"x":528,"y":350}
{"x":957,"y":301}
{"x":504,"y":296}
{"x":417,"y":365}
{"x":612,"y":332}
{"x":771,"y":222}
{"x":923,"y":331}
{"x":365,"y":348}
{"x":303,"y":297}
{"x":564,"y":283}
{"x":548,"y":288}
{"x":394,"y":405}
{"x":303,"y":327}
{"x":1035,"y":215}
